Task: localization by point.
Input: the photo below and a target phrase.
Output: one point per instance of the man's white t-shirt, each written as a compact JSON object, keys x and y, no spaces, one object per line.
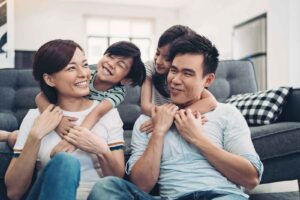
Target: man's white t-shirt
{"x":109,"y":127}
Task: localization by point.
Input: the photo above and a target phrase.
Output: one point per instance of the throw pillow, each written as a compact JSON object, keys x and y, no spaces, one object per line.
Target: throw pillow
{"x":263,"y":107}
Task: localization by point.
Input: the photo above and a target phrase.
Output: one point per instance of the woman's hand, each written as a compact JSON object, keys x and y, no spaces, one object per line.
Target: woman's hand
{"x":147,"y":126}
{"x":85,"y":140}
{"x":63,"y":146}
{"x":47,"y":121}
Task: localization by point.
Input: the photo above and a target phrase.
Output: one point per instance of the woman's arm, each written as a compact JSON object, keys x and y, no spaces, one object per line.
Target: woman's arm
{"x":20,"y":171}
{"x":112,"y":162}
{"x":206,"y":103}
{"x":146,"y":97}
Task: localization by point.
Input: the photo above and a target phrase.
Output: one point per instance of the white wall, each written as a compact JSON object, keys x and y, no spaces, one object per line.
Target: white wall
{"x":39,"y":21}
{"x":215,"y":19}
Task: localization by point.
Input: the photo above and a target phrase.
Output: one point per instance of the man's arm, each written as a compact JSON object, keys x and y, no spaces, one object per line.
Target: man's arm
{"x":148,"y":165}
{"x":236,"y":168}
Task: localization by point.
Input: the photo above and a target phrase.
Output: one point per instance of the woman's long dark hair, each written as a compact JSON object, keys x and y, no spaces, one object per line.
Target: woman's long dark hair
{"x":51,"y":58}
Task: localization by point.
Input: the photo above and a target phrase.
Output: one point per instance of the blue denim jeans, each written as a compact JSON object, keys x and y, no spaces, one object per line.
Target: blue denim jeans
{"x":115,"y":188}
{"x":58,"y":180}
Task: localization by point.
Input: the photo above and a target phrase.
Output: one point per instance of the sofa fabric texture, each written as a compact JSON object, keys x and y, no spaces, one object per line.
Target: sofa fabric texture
{"x":278,"y":144}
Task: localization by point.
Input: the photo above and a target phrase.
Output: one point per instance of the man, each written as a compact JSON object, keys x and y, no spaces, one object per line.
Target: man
{"x":187,"y":159}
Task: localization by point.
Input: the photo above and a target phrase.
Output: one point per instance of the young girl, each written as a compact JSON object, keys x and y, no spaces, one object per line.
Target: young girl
{"x":121,"y":64}
{"x":154,"y":89}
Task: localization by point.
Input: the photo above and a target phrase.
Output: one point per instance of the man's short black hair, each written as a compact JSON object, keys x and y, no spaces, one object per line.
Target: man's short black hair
{"x":126,"y":49}
{"x":197,"y":44}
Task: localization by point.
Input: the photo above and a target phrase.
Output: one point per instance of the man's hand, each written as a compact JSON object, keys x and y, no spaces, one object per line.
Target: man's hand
{"x":189,"y":125}
{"x":85,"y":140}
{"x":65,"y":125}
{"x":47,"y":121}
{"x":62,"y":146}
{"x":147,"y":126}
{"x":163,"y":117}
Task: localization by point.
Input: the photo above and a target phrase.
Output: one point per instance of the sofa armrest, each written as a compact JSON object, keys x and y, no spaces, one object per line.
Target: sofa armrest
{"x":291,"y":111}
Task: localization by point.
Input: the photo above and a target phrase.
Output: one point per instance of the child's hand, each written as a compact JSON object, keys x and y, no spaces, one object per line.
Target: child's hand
{"x":65,"y":125}
{"x":147,"y":126}
{"x":62,"y":146}
{"x":203,"y":118}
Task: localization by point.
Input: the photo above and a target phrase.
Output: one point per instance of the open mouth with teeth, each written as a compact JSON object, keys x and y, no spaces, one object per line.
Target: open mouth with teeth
{"x":107,"y":71}
{"x":82,"y":84}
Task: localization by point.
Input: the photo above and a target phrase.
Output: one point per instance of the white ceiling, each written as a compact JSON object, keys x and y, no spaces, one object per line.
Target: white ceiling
{"x":148,"y":3}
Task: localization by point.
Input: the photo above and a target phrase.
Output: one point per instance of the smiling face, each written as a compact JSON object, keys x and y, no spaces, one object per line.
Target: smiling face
{"x":185,"y":79}
{"x":162,"y":63}
{"x":113,"y":69}
{"x":73,"y":79}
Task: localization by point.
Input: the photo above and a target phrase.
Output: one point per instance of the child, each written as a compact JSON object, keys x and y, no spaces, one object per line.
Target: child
{"x":121,"y":64}
{"x":154,"y":89}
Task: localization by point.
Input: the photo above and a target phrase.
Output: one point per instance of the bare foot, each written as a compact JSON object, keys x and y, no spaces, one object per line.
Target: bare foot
{"x":4,"y":136}
{"x":12,"y":138}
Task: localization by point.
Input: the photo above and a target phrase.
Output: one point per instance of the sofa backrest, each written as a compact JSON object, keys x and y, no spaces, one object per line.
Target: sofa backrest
{"x":233,"y":77}
{"x":18,"y":90}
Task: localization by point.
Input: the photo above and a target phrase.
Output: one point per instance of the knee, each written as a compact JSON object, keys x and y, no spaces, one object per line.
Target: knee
{"x":107,"y":183}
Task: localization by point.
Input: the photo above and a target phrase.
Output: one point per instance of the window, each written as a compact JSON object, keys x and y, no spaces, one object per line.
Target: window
{"x":102,"y":32}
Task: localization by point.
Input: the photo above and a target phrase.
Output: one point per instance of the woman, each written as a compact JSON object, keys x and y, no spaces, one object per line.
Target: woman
{"x":63,"y":73}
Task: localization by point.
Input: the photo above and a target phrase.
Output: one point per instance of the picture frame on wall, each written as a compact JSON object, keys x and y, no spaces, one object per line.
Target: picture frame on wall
{"x":6,"y":35}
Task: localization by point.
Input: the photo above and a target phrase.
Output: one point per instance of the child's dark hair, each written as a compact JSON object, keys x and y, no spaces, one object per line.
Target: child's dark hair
{"x":51,"y":58}
{"x":172,"y":33}
{"x":168,"y":37}
{"x":137,"y":71}
{"x":197,"y":44}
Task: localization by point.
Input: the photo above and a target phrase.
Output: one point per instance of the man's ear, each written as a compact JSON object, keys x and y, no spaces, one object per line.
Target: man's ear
{"x":209,"y":79}
{"x":48,"y":80}
{"x":126,"y":81}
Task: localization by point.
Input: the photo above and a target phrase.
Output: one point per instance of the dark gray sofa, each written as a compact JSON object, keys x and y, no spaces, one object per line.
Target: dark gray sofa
{"x":277,"y":144}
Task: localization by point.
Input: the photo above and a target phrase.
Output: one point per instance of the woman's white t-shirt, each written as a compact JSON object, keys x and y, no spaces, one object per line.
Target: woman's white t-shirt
{"x":109,"y":127}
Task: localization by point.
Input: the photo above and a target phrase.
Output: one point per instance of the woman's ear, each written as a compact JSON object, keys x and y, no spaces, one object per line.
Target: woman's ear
{"x":126,"y":81}
{"x":209,"y":79}
{"x":48,"y":80}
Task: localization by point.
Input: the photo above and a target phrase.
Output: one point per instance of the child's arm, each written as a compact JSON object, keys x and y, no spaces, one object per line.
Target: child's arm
{"x":93,"y":117}
{"x":146,"y":97}
{"x":114,"y":97}
{"x":206,"y":103}
{"x":41,"y":101}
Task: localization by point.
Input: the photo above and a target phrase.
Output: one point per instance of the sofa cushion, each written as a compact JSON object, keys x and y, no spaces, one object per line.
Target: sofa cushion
{"x":263,"y":107}
{"x":8,"y":122}
{"x":276,"y":140}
